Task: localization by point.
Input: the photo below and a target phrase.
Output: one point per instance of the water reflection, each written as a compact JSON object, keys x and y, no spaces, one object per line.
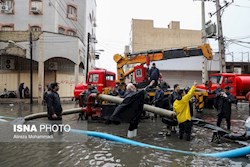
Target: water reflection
{"x":98,"y":152}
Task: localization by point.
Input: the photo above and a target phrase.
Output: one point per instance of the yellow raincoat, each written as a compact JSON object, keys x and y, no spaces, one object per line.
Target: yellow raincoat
{"x":181,"y":107}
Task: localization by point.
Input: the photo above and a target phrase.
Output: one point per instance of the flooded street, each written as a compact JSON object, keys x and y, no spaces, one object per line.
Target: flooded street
{"x":90,"y":151}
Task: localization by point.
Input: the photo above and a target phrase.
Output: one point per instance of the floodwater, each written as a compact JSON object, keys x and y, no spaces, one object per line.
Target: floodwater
{"x":90,"y":151}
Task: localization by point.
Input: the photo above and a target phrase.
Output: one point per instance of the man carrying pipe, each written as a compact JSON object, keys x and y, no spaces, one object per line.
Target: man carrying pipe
{"x":130,"y":109}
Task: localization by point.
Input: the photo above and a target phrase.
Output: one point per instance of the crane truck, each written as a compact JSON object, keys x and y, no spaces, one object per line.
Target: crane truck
{"x":105,"y":80}
{"x":141,"y":73}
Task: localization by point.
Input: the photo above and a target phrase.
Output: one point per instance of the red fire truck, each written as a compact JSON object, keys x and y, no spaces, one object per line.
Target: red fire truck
{"x":99,"y":78}
{"x":239,"y":84}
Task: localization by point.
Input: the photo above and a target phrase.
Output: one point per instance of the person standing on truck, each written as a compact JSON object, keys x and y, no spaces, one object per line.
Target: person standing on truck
{"x":154,"y":74}
{"x":224,"y":106}
{"x":182,"y":109}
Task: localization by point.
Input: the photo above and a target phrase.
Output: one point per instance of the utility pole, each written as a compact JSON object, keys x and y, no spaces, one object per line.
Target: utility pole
{"x":220,"y":38}
{"x":87,"y":63}
{"x":31,"y":69}
{"x":204,"y":40}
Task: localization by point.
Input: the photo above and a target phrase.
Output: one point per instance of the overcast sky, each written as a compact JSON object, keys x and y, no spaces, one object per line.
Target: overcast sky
{"x":114,"y":23}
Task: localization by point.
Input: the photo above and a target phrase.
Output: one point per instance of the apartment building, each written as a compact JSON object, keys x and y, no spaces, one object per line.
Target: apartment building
{"x":63,"y":43}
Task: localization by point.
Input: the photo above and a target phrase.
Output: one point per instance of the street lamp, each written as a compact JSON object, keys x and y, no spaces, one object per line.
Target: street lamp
{"x":31,"y":69}
{"x":97,"y":53}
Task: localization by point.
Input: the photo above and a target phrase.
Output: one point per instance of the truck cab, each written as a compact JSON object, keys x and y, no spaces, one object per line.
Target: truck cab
{"x":99,"y":78}
{"x":224,"y":79}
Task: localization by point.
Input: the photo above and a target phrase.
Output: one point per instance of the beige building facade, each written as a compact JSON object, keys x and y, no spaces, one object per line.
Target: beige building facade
{"x":63,"y":44}
{"x":144,"y":36}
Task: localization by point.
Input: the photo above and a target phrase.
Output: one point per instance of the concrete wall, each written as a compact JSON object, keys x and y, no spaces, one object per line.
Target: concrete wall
{"x":144,"y":37}
{"x":9,"y":81}
{"x":184,"y":78}
{"x":66,"y":51}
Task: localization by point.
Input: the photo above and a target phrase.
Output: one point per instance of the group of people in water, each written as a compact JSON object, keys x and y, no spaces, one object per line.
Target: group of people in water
{"x":180,"y":101}
{"x":131,"y":109}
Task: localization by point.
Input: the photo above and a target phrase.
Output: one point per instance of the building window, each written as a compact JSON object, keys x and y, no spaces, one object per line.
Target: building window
{"x":36,"y":6}
{"x":71,"y":12}
{"x":7,"y":28}
{"x":35,"y":28}
{"x":8,"y":7}
{"x":61,"y":30}
{"x":71,"y":32}
{"x":93,"y":78}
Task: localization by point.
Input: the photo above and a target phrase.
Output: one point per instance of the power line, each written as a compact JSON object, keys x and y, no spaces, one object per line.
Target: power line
{"x":240,"y":45}
{"x":242,"y":6}
{"x":73,"y":23}
{"x":76,"y":22}
{"x":61,"y":15}
{"x":242,"y":37}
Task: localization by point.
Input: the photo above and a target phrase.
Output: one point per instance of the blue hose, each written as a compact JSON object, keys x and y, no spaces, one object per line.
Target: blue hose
{"x":239,"y":152}
{"x":5,"y":117}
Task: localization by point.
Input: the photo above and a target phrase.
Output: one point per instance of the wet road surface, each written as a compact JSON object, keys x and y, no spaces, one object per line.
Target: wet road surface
{"x":89,"y":151}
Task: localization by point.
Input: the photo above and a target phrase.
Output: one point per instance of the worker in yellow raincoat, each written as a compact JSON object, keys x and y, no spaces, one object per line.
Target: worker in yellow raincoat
{"x":182,"y":109}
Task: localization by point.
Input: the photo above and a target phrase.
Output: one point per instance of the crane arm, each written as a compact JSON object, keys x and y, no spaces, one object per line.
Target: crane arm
{"x":157,"y":55}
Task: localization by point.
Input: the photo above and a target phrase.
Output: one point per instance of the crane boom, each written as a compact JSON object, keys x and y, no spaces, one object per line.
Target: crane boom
{"x":157,"y":55}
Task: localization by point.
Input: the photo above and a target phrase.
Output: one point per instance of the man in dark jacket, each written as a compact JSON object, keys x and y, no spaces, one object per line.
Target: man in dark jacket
{"x":172,"y":97}
{"x":20,"y":89}
{"x":158,"y":98}
{"x":54,"y":107}
{"x":224,"y":106}
{"x":154,"y":74}
{"x":217,"y":93}
{"x":130,"y":110}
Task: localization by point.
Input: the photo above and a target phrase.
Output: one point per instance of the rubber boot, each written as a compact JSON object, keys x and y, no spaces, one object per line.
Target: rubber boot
{"x":181,"y":136}
{"x":188,"y":137}
{"x":134,"y":132}
{"x":130,"y":134}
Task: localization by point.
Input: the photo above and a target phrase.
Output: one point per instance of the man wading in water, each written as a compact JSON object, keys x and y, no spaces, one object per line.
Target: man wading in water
{"x":131,"y":108}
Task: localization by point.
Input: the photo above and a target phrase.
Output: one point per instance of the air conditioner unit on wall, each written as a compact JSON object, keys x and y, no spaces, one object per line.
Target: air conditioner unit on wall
{"x":4,"y":7}
{"x":53,"y":66}
{"x":35,"y":10}
{"x":9,"y":64}
{"x":10,"y":11}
